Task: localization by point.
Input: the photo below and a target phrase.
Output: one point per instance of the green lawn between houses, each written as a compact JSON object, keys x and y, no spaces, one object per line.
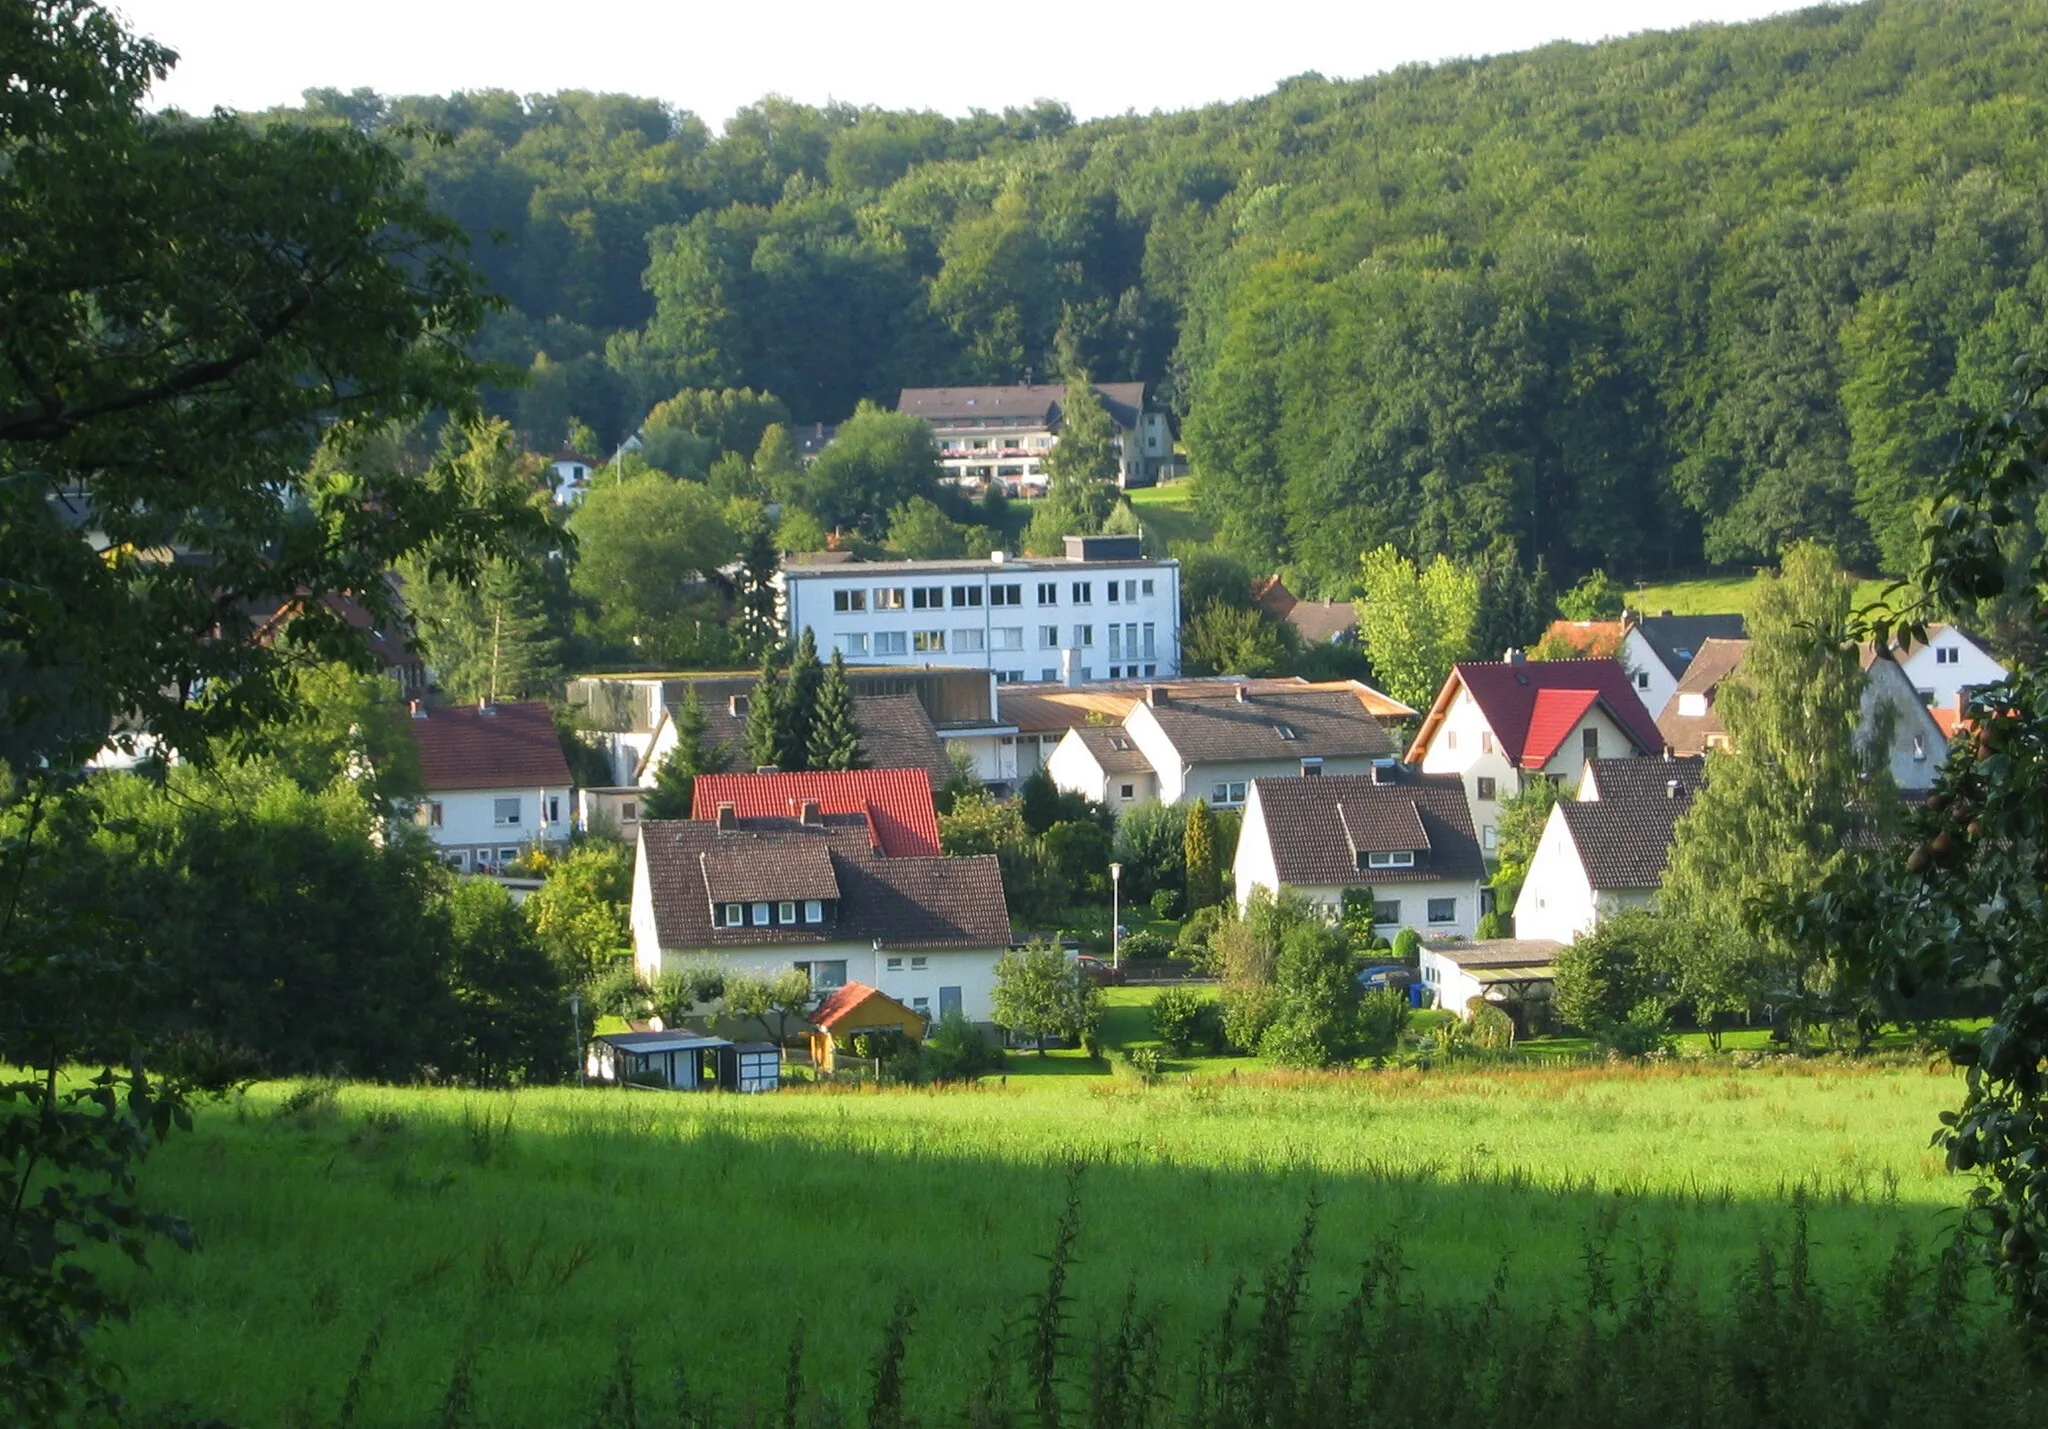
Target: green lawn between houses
{"x":1725,"y":595}
{"x":537,"y":1228}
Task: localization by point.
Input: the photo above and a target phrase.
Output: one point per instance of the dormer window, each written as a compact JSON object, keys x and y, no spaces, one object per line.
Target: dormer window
{"x":735,"y":915}
{"x":760,"y":915}
{"x":814,"y":911}
{"x":1120,"y":744}
{"x":787,"y":914}
{"x":1400,"y":858}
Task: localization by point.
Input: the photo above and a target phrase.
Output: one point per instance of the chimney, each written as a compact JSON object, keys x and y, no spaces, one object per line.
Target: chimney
{"x":1070,"y":673}
{"x":1157,"y":695}
{"x":1671,"y":788}
{"x":417,"y":712}
{"x":728,"y":816}
{"x":812,"y":814}
{"x":736,"y":706}
{"x":1512,"y":655}
{"x":1244,"y":695}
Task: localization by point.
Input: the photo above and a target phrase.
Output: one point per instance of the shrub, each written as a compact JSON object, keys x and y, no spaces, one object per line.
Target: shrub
{"x":1248,"y":1012}
{"x":1080,"y":851}
{"x":1193,"y":940}
{"x":1165,"y":903}
{"x":1144,"y":944}
{"x":1645,"y":1032}
{"x":1491,"y":1029}
{"x":1150,"y":845}
{"x":1383,"y":1015}
{"x":1179,"y":1015}
{"x":956,"y":1051}
{"x":1142,"y":1063}
{"x":1408,"y":945}
{"x":1495,"y":925}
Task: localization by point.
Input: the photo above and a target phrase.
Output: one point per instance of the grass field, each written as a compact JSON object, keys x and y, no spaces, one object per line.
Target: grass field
{"x":533,"y":1230}
{"x":1170,"y":511}
{"x":1718,"y":595}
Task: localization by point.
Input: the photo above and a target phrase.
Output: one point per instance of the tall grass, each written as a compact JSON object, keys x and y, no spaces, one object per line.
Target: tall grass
{"x":523,"y":1250}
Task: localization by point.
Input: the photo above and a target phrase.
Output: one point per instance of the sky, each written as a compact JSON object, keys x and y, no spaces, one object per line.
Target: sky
{"x":948,"y":55}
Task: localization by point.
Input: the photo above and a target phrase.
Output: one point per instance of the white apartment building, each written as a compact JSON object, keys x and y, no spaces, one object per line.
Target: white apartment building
{"x":1103,"y":612}
{"x":1003,"y":434}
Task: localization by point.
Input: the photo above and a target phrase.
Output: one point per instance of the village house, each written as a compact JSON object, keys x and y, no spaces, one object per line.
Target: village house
{"x":494,"y":780}
{"x":897,"y":803}
{"x":1654,"y":649}
{"x":817,"y":893}
{"x":1317,"y":622}
{"x":1405,"y":836}
{"x":1605,"y":851}
{"x":1213,"y":745}
{"x":1946,"y":666}
{"x":895,"y":733}
{"x":1497,"y":725}
{"x":1916,"y":745}
{"x":1002,"y":435}
{"x":569,"y":476}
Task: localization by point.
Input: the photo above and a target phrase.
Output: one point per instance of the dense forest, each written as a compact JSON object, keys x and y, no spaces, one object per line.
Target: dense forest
{"x":1660,"y":303}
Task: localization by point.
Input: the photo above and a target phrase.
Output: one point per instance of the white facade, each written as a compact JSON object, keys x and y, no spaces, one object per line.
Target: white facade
{"x":1558,"y":900}
{"x":1654,"y":684}
{"x":1012,"y":451}
{"x":1917,"y":746}
{"x":1025,"y":620}
{"x":1465,"y":745}
{"x":1946,"y":664}
{"x":929,"y":980}
{"x":571,"y":479}
{"x":1074,"y":769}
{"x":488,"y":828}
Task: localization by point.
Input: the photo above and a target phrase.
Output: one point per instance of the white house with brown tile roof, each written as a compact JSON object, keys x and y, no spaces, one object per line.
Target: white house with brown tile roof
{"x":1101,"y":762}
{"x":494,"y":779}
{"x":817,"y":894}
{"x":1947,"y":664}
{"x":895,"y":733}
{"x":1605,"y":851}
{"x":1406,"y":836}
{"x":1499,"y":724}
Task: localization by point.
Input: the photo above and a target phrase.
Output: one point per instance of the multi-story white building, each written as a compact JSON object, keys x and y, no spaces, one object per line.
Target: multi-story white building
{"x":494,"y":780}
{"x":1003,"y":434}
{"x":1103,"y":612}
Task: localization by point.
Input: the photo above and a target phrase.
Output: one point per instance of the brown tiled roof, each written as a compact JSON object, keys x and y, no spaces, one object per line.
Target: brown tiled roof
{"x":776,"y":868}
{"x":1272,"y":594}
{"x":1102,"y":741}
{"x":1318,"y":827}
{"x":1123,"y":400}
{"x":1716,"y":661}
{"x":1321,"y":621}
{"x":1627,"y":779}
{"x":1591,"y":638}
{"x":1329,"y":724}
{"x":509,"y":747}
{"x":1624,"y":843}
{"x":905,"y":902}
{"x":895,"y":733}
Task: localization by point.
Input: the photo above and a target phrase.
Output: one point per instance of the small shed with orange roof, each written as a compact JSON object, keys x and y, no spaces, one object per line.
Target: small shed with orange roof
{"x":853,"y":1009}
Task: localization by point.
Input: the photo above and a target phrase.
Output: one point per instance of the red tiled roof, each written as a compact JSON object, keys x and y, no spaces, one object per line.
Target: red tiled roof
{"x":897,"y":801}
{"x":1551,"y":719}
{"x":1273,"y":594}
{"x":509,"y":747}
{"x":1506,"y":693}
{"x":840,"y":1001}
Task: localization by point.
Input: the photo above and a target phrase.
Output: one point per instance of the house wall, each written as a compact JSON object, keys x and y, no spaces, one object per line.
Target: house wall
{"x":1917,"y":748}
{"x":1938,"y":684}
{"x":1253,"y":868}
{"x":1460,"y":746}
{"x":1556,"y":900}
{"x":1201,"y":779}
{"x":972,"y":970}
{"x":1654,"y":684}
{"x":994,"y":754}
{"x":1569,"y":762}
{"x":468,"y":821}
{"x":1074,"y":769}
{"x":1452,"y":985}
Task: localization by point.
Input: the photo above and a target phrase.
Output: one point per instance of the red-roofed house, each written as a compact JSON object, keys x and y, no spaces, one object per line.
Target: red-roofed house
{"x":1499,"y":724}
{"x":897,"y":802}
{"x":495,"y":780}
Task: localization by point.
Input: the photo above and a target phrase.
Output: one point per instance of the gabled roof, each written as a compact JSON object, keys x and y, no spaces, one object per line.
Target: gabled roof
{"x":1628,"y":779}
{"x":497,"y":747}
{"x":1624,"y":844}
{"x":905,"y":902}
{"x":1318,"y":621}
{"x":793,"y":868}
{"x":895,"y":733}
{"x":1038,"y":402}
{"x":899,"y":801}
{"x":1716,"y":661}
{"x":1288,"y":725}
{"x":1318,"y":827}
{"x":1507,"y":693}
{"x":842,"y":1000}
{"x":1676,"y":639}
{"x":1114,"y":751}
{"x":393,"y":648}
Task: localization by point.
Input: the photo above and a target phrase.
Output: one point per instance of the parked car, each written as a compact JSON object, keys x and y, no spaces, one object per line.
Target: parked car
{"x":1379,"y":975}
{"x":1096,"y":970}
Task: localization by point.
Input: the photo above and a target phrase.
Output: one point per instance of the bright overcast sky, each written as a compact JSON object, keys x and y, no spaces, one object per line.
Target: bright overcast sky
{"x":923,"y":54}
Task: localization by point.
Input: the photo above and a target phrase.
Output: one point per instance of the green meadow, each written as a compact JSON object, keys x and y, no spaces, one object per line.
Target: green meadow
{"x":528,"y":1235}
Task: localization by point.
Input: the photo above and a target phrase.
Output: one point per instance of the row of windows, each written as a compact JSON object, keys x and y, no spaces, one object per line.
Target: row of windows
{"x":969,"y":597}
{"x":772,"y":915}
{"x":1589,"y":745}
{"x":1125,"y":641}
{"x":918,"y":964}
{"x":1387,"y":911}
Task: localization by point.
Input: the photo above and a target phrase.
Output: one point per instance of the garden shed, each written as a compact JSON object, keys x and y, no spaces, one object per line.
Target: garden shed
{"x":682,"y":1061}
{"x":854,"y":1009}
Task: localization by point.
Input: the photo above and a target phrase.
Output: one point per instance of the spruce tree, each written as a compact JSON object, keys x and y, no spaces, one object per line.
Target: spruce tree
{"x":1080,"y":473}
{"x":835,"y":738}
{"x":799,"y":708}
{"x":1198,"y":847}
{"x":756,"y":623}
{"x":675,"y":777}
{"x":764,"y":721}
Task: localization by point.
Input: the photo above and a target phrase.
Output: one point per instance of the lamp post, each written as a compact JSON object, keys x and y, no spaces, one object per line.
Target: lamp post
{"x":1116,"y":883}
{"x":576,"y":1034}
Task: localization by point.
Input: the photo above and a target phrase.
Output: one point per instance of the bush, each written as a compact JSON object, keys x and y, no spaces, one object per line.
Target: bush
{"x":1193,"y":940}
{"x":1248,"y":1013}
{"x":1645,"y":1032}
{"x":956,"y":1051}
{"x":1143,"y":944}
{"x":1142,"y":1063}
{"x":1383,"y":1015}
{"x":1491,"y":1029}
{"x":1408,"y":945}
{"x":1165,"y":903}
{"x":1495,"y":925}
{"x":1150,"y":845}
{"x":1080,"y":851}
{"x":1180,"y":1017}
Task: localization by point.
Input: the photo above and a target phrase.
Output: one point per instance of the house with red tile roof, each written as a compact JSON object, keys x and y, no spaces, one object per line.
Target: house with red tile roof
{"x":495,"y":781}
{"x":897,"y":803}
{"x":1500,"y":724}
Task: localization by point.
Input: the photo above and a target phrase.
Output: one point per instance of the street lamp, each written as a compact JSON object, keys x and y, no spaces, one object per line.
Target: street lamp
{"x":576,"y":1034}
{"x":1116,"y":883}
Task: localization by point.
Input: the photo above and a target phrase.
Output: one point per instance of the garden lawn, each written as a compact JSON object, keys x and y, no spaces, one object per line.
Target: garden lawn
{"x":1725,"y":595}
{"x":532,"y":1231}
{"x":1170,"y":512}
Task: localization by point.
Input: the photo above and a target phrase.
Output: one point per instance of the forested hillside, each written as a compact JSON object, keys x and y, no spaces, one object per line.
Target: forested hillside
{"x":1654,"y":304}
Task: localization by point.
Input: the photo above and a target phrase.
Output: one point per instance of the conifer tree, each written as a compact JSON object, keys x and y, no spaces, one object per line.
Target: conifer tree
{"x":764,"y":717}
{"x":1198,"y":846}
{"x":675,"y":777}
{"x":755,"y":623}
{"x":798,"y":710}
{"x":1080,"y":473}
{"x":835,"y":738}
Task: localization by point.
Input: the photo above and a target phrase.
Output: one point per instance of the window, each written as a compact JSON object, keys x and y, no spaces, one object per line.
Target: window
{"x":1948,"y":656}
{"x":1116,"y":643}
{"x":1113,"y":592}
{"x":1048,"y":592}
{"x":1386,"y":911}
{"x":1084,"y":635}
{"x":891,"y":642}
{"x":828,"y":975}
{"x":928,"y":597}
{"x":1589,"y":741}
{"x":1443,"y":910}
{"x":895,"y":965}
{"x":1287,"y":731}
{"x":1642,"y":679}
{"x":1009,"y":677}
{"x":1227,"y":793}
{"x":1450,"y":739}
{"x":1145,"y":586}
{"x":1486,"y":741}
{"x":459,"y":860}
{"x":927,"y":641}
{"x":1490,"y":837}
{"x":735,"y":916}
{"x":504,"y":811}
{"x":1311,"y":768}
{"x":431,"y":814}
{"x":966,"y":595}
{"x":785,"y":914}
{"x":969,"y":640}
{"x":629,"y":812}
{"x":1919,"y":747}
{"x":1120,"y":743}
{"x":508,"y":855}
{"x":554,"y":808}
{"x":1397,"y":858}
{"x":1486,"y":788}
{"x":814,"y":911}
{"x":1130,"y":591}
{"x":919,"y":964}
{"x":921,"y":1005}
{"x":760,"y":915}
{"x":1150,"y":648}
{"x":1006,"y":637}
{"x":1084,"y":592}
{"x":849,"y":600}
{"x":1006,"y":595}
{"x":1048,"y":639}
{"x":851,"y":644}
{"x":1150,"y":671}
{"x":1127,"y":791}
{"x":888,"y":597}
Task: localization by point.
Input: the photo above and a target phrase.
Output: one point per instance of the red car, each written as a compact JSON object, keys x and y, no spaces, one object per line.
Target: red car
{"x":1096,"y":970}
